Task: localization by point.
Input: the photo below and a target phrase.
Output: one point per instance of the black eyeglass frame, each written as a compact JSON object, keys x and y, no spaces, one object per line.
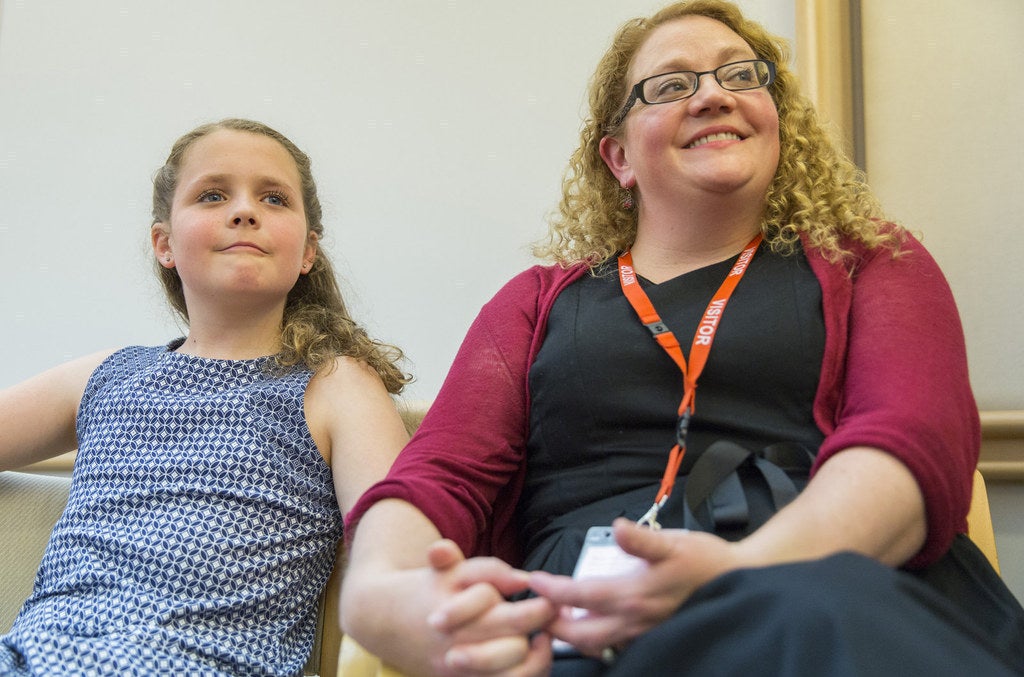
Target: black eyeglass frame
{"x":637,"y":91}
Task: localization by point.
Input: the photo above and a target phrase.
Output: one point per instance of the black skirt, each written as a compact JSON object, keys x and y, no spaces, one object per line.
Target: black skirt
{"x":841,"y":616}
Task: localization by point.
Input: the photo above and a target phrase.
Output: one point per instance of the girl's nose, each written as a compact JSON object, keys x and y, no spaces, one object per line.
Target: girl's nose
{"x":244,"y":212}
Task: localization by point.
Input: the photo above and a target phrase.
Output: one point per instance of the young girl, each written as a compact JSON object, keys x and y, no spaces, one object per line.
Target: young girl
{"x":211,"y":476}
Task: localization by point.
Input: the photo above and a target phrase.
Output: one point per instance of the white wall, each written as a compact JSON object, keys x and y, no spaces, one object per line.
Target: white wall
{"x":438,"y":129}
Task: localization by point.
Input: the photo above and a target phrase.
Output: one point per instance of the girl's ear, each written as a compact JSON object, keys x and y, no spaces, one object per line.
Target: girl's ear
{"x":161,"y":238}
{"x":309,"y":254}
{"x":614,"y":155}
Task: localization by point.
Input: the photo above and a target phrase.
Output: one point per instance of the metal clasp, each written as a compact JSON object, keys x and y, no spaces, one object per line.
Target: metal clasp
{"x":650,"y":518}
{"x":682,"y":427}
{"x":656,"y":328}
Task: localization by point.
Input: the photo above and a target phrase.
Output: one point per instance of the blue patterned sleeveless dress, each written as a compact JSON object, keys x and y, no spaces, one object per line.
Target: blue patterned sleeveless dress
{"x":200,"y":529}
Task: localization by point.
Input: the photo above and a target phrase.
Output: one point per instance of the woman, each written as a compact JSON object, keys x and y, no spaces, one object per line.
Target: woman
{"x":701,"y":163}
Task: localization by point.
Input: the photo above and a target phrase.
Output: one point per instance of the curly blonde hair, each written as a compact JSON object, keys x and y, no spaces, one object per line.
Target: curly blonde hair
{"x":316,"y":327}
{"x":816,"y":190}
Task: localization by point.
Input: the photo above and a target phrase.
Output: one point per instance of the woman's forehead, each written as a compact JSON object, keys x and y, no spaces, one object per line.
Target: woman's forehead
{"x":689,"y":43}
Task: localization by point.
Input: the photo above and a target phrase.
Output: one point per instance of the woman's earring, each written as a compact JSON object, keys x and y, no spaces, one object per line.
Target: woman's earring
{"x":627,"y":199}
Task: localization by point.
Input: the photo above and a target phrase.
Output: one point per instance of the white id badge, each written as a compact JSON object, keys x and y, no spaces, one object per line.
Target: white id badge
{"x":601,"y":557}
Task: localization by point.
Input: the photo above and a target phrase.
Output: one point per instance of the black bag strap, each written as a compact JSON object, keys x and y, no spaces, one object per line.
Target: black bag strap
{"x":714,"y":473}
{"x":778,"y":463}
{"x":714,"y":495}
{"x":790,"y":456}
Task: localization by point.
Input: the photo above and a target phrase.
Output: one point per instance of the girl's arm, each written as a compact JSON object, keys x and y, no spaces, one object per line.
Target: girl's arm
{"x":356,"y":426}
{"x":398,"y":583}
{"x":37,"y":416}
{"x":449,"y":614}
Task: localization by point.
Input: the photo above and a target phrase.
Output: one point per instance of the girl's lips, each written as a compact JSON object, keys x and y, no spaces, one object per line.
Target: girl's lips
{"x":242,"y":246}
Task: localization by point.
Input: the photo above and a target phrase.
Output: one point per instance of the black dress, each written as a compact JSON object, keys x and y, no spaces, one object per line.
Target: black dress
{"x":604,"y":398}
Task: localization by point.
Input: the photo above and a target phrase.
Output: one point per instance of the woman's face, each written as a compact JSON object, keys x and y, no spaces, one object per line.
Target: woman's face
{"x":716,"y":142}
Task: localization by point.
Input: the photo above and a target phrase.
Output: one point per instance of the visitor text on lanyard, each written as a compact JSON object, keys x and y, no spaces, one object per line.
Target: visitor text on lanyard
{"x":699,"y":351}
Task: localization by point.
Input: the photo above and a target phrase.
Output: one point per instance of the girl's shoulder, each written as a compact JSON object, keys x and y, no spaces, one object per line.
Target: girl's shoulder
{"x":344,"y":384}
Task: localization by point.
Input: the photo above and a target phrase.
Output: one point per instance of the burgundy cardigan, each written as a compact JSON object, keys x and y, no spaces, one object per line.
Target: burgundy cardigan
{"x":894,"y":376}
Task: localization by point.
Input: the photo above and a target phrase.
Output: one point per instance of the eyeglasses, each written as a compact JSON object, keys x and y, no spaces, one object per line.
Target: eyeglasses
{"x":668,"y":87}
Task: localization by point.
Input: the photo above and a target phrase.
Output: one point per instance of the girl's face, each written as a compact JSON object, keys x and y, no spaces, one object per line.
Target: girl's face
{"x":238,"y":227}
{"x":714,"y":142}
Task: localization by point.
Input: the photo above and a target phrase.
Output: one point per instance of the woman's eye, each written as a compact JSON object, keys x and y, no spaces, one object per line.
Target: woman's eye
{"x":276,"y":199}
{"x":673,"y":86}
{"x":740,"y":75}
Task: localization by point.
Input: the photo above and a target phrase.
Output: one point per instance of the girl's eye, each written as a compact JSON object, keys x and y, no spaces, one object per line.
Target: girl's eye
{"x":210,"y":196}
{"x":277,"y":199}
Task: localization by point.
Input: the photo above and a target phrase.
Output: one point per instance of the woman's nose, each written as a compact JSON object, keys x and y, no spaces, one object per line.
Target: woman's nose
{"x":711,"y":96}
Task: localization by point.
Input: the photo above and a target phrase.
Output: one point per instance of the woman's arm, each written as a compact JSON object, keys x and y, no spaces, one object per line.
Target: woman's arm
{"x":464,"y":467}
{"x":863,"y":499}
{"x":37,"y":416}
{"x":898,"y":382}
{"x":413,"y":599}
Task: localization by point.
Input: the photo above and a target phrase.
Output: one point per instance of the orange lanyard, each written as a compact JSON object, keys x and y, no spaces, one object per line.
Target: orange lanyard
{"x":699,"y":351}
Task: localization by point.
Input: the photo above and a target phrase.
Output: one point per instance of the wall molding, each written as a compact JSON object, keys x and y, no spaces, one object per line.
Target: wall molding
{"x":1002,"y":448}
{"x":828,"y":39}
{"x":1002,"y":445}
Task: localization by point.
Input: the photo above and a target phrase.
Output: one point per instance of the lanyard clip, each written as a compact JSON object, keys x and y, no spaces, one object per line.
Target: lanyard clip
{"x":657,"y":327}
{"x":650,"y":518}
{"x":682,"y":427}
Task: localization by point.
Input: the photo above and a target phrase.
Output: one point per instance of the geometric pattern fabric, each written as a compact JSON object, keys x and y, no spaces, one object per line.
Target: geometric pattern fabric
{"x":199,"y":532}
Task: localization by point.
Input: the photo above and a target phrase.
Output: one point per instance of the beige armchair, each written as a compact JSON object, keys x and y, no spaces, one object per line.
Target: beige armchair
{"x":29,"y":507}
{"x":979,"y":522}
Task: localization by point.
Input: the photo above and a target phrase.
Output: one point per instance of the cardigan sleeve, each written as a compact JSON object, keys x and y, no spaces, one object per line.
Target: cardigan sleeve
{"x":905,"y":387}
{"x":463,"y":467}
